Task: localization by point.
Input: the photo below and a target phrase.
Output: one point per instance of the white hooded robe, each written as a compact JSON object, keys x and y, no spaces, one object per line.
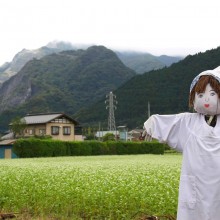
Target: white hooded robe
{"x":199,"y":190}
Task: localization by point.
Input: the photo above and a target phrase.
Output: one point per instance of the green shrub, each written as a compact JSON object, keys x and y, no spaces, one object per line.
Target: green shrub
{"x":35,"y":147}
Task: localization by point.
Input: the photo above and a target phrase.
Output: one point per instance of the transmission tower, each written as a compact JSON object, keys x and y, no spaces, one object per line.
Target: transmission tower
{"x":111,"y":105}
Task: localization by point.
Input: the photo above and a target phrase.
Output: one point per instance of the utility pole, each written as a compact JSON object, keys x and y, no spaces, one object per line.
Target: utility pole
{"x":99,"y":132}
{"x":148,"y":106}
{"x":111,"y":105}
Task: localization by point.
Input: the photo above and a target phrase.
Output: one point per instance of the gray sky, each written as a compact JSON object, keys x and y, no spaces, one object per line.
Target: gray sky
{"x":172,"y":27}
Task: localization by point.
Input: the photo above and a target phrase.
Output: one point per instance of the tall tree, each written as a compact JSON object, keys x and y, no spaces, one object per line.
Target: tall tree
{"x":17,"y":126}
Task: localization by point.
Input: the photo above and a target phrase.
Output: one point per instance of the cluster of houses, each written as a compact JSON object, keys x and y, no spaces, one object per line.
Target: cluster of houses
{"x":58,"y":126}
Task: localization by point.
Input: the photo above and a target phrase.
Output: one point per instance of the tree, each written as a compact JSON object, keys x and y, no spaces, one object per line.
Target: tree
{"x":108,"y":137}
{"x":17,"y":126}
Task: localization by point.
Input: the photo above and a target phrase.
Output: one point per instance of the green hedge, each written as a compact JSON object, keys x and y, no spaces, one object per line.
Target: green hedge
{"x":34,"y":147}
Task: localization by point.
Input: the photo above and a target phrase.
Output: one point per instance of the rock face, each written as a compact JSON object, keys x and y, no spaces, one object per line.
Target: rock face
{"x":14,"y":92}
{"x":21,"y":58}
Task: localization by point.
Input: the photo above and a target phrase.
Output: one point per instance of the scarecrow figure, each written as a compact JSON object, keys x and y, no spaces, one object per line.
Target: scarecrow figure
{"x":197,"y":136}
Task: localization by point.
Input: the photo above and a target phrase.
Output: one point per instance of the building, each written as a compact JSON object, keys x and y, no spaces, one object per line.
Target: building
{"x":135,"y":134}
{"x":6,"y":149}
{"x":57,"y":125}
{"x":123,"y":133}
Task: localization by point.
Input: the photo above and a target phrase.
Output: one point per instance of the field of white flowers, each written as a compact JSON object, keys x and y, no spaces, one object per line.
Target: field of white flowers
{"x":98,"y":187}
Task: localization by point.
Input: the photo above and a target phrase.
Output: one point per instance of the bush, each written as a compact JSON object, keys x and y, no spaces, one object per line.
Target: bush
{"x":34,"y":147}
{"x":108,"y":137}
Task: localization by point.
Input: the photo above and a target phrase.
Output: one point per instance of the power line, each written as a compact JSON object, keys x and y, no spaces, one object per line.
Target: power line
{"x":111,"y":105}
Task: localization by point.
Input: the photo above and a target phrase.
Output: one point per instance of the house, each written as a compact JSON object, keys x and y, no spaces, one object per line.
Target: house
{"x":57,"y":125}
{"x":135,"y":134}
{"x":6,"y":149}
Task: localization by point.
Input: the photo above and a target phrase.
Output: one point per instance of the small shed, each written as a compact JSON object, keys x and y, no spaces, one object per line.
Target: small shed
{"x":6,"y":149}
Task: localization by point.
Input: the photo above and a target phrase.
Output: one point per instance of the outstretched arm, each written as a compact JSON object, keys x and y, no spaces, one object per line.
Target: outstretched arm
{"x":166,"y":129}
{"x":148,"y":128}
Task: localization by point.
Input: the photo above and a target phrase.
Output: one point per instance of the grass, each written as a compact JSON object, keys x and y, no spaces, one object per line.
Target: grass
{"x":98,"y":187}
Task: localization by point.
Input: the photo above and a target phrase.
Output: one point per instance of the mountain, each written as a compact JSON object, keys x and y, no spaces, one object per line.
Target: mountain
{"x":166,"y":90}
{"x":21,"y":58}
{"x":145,"y":62}
{"x":168,"y":60}
{"x":63,"y":82}
{"x":139,"y":62}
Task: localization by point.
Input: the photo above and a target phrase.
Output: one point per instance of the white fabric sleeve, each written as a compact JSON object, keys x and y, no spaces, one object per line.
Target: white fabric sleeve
{"x":166,"y":129}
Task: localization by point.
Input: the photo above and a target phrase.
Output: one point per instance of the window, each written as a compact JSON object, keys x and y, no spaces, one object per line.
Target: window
{"x":55,"y":130}
{"x":66,"y":130}
{"x":61,"y":120}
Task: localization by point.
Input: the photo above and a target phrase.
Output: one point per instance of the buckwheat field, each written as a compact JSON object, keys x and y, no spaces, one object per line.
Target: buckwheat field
{"x":96,"y":187}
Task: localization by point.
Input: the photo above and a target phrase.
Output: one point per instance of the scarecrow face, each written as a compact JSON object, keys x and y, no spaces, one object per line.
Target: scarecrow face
{"x":207,"y":102}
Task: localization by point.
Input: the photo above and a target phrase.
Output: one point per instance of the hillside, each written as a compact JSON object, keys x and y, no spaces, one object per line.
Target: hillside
{"x":145,"y":62}
{"x":65,"y":81}
{"x":168,"y":60}
{"x":166,"y":90}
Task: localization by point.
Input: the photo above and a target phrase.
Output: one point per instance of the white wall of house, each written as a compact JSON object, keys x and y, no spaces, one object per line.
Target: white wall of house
{"x":65,"y":131}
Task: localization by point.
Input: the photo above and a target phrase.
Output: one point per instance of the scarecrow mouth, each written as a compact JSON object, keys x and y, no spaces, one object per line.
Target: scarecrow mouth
{"x":206,"y":105}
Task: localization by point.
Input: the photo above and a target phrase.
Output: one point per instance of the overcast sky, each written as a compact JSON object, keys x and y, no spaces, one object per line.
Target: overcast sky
{"x":172,"y":27}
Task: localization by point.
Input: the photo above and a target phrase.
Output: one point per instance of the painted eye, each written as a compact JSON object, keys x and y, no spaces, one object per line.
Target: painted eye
{"x":212,"y":93}
{"x":200,"y":95}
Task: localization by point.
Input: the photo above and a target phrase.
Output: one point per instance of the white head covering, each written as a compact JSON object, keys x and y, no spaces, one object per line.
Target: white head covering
{"x":215,"y":73}
{"x":197,"y":106}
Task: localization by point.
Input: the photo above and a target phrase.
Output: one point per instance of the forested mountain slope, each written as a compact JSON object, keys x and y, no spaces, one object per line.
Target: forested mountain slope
{"x":64,"y":82}
{"x":144,"y":62}
{"x":166,"y":90}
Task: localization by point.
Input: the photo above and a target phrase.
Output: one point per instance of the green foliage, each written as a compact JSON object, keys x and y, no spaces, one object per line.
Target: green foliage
{"x":108,"y":137}
{"x":17,"y":126}
{"x":166,"y":90}
{"x":43,"y":136}
{"x":63,"y":82}
{"x":34,"y":147}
